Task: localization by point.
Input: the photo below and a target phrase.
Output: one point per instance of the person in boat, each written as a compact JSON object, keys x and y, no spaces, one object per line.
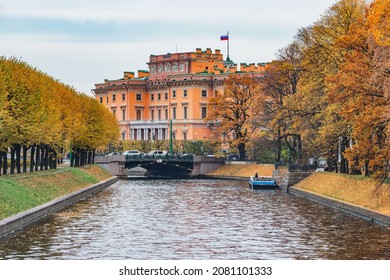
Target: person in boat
{"x":256,"y":176}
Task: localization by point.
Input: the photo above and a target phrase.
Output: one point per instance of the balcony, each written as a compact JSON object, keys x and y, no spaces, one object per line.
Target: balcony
{"x":146,"y":122}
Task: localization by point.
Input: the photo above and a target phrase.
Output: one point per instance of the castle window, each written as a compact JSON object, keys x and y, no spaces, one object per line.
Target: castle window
{"x":174,"y":113}
{"x":204,"y":112}
{"x":138,"y":115}
{"x":204,"y":93}
{"x":138,"y":97}
{"x":185,"y":93}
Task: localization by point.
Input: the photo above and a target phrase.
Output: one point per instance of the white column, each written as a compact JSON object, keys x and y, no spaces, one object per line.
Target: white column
{"x":146,"y":134}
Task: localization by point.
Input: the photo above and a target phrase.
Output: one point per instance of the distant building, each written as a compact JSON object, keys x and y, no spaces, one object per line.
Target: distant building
{"x":177,"y":87}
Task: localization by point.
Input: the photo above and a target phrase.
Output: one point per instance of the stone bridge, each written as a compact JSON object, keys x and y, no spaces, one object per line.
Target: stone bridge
{"x":119,"y":166}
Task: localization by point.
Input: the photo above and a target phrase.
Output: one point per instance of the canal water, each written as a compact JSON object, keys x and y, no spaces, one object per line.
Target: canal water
{"x":197,"y":219}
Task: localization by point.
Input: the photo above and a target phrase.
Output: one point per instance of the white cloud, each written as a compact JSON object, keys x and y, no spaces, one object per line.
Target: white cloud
{"x":258,"y":29}
{"x":227,"y":12}
{"x":82,"y":64}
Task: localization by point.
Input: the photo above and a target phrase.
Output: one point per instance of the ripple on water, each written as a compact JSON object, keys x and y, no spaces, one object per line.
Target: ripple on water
{"x":197,"y":219}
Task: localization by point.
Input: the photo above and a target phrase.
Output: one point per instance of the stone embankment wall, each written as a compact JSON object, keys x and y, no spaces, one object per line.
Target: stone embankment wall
{"x":204,"y":165}
{"x":345,"y":207}
{"x":286,"y":179}
{"x":114,"y":164}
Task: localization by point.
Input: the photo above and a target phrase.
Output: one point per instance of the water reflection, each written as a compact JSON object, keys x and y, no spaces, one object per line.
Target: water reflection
{"x":197,"y":219}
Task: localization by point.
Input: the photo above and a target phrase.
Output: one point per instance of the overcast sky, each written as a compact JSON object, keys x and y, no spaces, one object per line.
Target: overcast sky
{"x":83,"y":42}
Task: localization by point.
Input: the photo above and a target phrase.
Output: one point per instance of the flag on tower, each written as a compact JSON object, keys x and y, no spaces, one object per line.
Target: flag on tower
{"x":224,"y":37}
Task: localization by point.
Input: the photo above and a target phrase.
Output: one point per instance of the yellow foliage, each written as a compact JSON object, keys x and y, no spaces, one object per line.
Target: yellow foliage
{"x":244,"y":170}
{"x":379,"y":20}
{"x":353,"y":189}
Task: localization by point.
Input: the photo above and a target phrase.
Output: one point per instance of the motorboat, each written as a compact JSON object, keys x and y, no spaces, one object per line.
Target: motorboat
{"x":256,"y":182}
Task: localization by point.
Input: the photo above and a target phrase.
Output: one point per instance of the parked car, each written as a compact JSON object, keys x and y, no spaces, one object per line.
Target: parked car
{"x":132,"y":153}
{"x":112,"y":154}
{"x":186,"y":156}
{"x":233,"y":157}
{"x":155,"y":153}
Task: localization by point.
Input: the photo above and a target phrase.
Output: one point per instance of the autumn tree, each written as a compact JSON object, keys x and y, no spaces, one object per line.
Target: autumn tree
{"x":231,"y":112}
{"x":378,"y":17}
{"x":319,"y":124}
{"x":22,"y":106}
{"x":98,"y":128}
{"x":42,"y":116}
{"x":340,"y":105}
{"x":359,"y":90}
{"x":279,"y":84}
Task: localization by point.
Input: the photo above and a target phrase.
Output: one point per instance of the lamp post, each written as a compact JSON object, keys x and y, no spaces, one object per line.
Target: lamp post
{"x":70,"y":154}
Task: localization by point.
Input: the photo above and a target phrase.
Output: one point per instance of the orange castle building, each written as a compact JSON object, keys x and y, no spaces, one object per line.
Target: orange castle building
{"x":176,"y":88}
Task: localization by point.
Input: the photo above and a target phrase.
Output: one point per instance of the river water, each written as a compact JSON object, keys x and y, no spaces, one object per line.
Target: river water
{"x":197,"y":219}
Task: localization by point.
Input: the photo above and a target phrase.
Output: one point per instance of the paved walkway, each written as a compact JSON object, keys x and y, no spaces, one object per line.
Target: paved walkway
{"x":60,"y":168}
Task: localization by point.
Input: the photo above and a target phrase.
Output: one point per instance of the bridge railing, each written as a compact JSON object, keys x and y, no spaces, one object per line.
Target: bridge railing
{"x":295,"y":167}
{"x":167,"y":157}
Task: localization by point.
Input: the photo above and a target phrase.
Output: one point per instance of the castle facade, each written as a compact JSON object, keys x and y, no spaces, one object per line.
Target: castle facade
{"x":176,"y":89}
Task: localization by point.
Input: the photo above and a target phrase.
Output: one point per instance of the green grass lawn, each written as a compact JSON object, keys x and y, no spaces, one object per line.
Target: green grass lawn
{"x":21,"y":192}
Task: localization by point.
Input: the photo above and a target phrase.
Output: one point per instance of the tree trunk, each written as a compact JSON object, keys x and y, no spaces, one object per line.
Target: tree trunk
{"x":241,"y":150}
{"x":50,"y":163}
{"x":299,"y":148}
{"x":42,"y":163}
{"x":343,"y":161}
{"x":1,"y":160}
{"x":89,"y":161}
{"x":81,"y":157}
{"x":55,"y":159}
{"x":25,"y":158}
{"x":5,"y":163}
{"x":12,"y":160}
{"x":61,"y":159}
{"x":32,"y":159}
{"x":93,"y":156}
{"x":46,"y":162}
{"x":76,"y":157}
{"x":71,"y":155}
{"x":17,"y":151}
{"x":278,"y":147}
{"x":366,"y":171}
{"x":38,"y":157}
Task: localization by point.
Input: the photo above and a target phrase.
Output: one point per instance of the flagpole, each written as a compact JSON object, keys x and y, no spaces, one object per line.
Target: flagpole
{"x":228,"y":46}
